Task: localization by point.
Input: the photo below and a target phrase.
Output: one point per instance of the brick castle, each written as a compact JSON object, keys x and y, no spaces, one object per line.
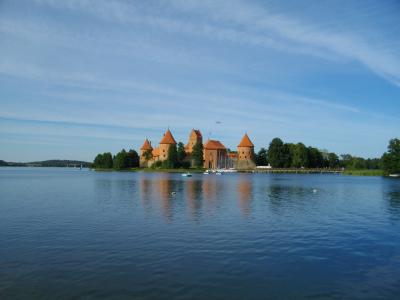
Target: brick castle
{"x":215,"y":154}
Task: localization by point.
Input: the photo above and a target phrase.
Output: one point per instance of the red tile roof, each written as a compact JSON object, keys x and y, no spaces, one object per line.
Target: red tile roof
{"x":214,"y":145}
{"x":168,"y":138}
{"x":146,"y":145}
{"x":245,"y":142}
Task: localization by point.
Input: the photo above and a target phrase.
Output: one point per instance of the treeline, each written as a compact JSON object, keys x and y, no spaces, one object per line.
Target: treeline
{"x":48,"y":163}
{"x":121,"y":161}
{"x":289,"y":155}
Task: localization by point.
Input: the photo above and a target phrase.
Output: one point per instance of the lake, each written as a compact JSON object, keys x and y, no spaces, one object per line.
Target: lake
{"x":80,"y":234}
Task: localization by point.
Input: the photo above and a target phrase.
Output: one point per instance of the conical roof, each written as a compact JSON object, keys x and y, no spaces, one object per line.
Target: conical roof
{"x":246,"y":142}
{"x":168,"y":138}
{"x":146,"y":145}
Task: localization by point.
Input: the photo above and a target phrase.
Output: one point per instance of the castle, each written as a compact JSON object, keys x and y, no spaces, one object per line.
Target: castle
{"x":215,"y":154}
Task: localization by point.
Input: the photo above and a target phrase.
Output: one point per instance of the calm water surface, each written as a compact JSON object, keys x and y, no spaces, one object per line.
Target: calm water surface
{"x":78,"y":234}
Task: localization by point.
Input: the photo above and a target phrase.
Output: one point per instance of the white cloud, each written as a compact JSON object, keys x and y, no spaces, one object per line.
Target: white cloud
{"x":242,"y":22}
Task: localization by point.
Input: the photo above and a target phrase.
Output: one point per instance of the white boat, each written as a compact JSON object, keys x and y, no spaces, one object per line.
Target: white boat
{"x":394,"y":175}
{"x":186,"y":175}
{"x":207,"y":172}
{"x":218,"y":173}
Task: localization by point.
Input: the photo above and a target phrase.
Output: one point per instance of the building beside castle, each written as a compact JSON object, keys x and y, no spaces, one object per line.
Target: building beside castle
{"x":215,"y":154}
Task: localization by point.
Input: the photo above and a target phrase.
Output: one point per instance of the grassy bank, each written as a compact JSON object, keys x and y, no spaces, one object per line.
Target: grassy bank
{"x":363,"y":172}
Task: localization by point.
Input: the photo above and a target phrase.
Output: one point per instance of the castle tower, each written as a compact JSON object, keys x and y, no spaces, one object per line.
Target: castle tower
{"x":165,"y":143}
{"x":245,"y":158}
{"x":194,"y":138}
{"x":146,"y":154}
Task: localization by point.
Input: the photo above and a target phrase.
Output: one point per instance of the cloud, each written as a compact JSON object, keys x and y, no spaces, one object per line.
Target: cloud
{"x":245,"y":23}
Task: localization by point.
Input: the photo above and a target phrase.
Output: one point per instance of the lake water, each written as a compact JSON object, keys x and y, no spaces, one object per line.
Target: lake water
{"x":79,"y":234}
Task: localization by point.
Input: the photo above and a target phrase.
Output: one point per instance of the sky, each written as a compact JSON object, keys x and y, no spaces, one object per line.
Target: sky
{"x":80,"y":77}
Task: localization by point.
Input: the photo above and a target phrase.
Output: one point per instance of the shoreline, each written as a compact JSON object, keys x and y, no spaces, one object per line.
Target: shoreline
{"x":361,"y":172}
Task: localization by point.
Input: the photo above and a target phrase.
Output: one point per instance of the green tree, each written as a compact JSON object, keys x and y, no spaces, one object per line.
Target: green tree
{"x":98,"y":161}
{"x":121,"y":160}
{"x":261,"y":158}
{"x":333,"y":161}
{"x":132,"y":159}
{"x":315,"y":158}
{"x":391,"y":158}
{"x":287,"y":154}
{"x":181,"y":153}
{"x":278,"y":153}
{"x":172,"y":160}
{"x":103,"y":161}
{"x":197,"y":155}
{"x":299,"y":156}
{"x":107,"y":160}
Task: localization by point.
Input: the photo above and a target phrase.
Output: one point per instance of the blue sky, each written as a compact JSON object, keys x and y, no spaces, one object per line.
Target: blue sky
{"x":82,"y":77}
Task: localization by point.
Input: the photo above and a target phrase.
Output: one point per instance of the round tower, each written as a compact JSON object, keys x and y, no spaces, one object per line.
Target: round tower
{"x":245,"y":149}
{"x":165,"y":143}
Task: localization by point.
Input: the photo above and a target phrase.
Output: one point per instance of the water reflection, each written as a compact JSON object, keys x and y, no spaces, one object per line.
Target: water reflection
{"x":284,"y":196}
{"x":194,"y":196}
{"x":245,"y":192}
{"x":391,"y":192}
{"x":146,"y":193}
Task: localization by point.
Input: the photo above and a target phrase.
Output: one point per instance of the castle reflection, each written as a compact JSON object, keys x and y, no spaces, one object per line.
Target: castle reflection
{"x":245,"y":191}
{"x":196,"y":195}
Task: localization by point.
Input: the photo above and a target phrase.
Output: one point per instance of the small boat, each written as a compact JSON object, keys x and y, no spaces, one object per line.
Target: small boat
{"x":186,"y":175}
{"x":218,"y":173}
{"x":207,"y":172}
{"x":394,"y":175}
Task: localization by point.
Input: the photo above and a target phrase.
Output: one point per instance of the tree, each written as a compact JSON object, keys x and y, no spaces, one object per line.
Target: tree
{"x":287,"y":155}
{"x":121,"y":160}
{"x":261,"y":158}
{"x":299,"y":156}
{"x":132,"y":159}
{"x":391,"y":158}
{"x":197,"y":155}
{"x":107,"y":160}
{"x":172,"y":159}
{"x":278,"y":153}
{"x":333,"y":161}
{"x":181,"y":153}
{"x":103,"y":161}
{"x":315,"y":158}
